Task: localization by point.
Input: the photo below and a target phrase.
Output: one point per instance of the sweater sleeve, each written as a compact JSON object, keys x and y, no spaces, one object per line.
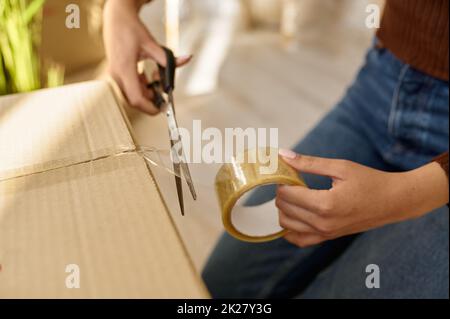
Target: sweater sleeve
{"x":443,"y":161}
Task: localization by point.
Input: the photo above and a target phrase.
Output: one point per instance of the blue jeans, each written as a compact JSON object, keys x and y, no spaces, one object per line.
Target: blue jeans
{"x":393,"y":118}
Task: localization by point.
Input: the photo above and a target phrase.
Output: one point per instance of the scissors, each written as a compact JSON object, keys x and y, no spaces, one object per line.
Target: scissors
{"x":163,"y":91}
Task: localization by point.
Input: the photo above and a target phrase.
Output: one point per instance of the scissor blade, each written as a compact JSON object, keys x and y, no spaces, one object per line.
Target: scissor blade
{"x":179,"y":191}
{"x":176,"y":138}
{"x":177,"y":171}
{"x":187,"y":175}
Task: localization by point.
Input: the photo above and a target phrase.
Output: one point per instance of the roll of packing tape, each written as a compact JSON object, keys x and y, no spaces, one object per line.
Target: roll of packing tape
{"x":234,"y":179}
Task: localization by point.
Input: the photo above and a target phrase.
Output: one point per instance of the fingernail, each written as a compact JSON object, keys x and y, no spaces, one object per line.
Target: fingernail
{"x":287,"y":153}
{"x":185,"y":57}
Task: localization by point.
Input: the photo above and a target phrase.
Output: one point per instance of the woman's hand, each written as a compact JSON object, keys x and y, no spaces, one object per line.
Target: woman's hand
{"x":127,"y":41}
{"x":361,"y":198}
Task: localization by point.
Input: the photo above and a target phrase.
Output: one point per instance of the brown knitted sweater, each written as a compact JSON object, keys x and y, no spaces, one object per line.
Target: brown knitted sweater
{"x":416,"y":31}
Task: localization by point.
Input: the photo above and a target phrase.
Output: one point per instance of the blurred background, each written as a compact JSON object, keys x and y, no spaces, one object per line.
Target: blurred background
{"x":257,"y":63}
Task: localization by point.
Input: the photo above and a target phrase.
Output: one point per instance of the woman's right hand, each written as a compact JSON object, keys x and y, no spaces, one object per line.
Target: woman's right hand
{"x":127,"y":41}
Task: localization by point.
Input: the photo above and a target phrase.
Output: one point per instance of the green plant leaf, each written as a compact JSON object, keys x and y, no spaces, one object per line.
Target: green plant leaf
{"x":20,"y":64}
{"x":32,"y":9}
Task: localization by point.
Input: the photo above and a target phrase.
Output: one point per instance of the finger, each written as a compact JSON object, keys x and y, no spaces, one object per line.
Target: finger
{"x":311,"y":200}
{"x":293,"y":224}
{"x":183,"y":60}
{"x":156,"y":76}
{"x":155,"y":51}
{"x":149,"y":94}
{"x":303,"y":240}
{"x":312,"y":165}
{"x":135,"y":91}
{"x":292,"y":212}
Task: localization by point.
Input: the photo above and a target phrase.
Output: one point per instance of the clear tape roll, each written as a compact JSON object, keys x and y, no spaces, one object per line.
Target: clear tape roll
{"x":235,"y":179}
{"x":233,"y":182}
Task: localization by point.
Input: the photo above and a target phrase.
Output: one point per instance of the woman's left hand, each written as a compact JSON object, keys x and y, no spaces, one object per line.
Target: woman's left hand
{"x":361,"y":198}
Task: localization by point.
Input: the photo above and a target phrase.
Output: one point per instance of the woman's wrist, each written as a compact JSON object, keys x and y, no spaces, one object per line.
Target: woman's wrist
{"x":420,"y":191}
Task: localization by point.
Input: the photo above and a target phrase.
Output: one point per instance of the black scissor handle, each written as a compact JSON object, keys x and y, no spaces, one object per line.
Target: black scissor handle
{"x":158,"y":99}
{"x":167,"y":73}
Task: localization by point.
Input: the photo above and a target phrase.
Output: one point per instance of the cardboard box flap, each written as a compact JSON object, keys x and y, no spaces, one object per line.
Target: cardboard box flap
{"x":106,"y":219}
{"x":53,"y":128}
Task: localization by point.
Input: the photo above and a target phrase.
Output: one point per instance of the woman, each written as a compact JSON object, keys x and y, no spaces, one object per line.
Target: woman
{"x":377,"y":199}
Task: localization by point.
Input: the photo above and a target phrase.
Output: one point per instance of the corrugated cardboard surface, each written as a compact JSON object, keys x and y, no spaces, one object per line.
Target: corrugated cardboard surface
{"x":77,"y":193}
{"x":53,"y":128}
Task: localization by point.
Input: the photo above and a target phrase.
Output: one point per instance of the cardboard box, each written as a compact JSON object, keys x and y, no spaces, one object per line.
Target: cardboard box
{"x":78,"y":205}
